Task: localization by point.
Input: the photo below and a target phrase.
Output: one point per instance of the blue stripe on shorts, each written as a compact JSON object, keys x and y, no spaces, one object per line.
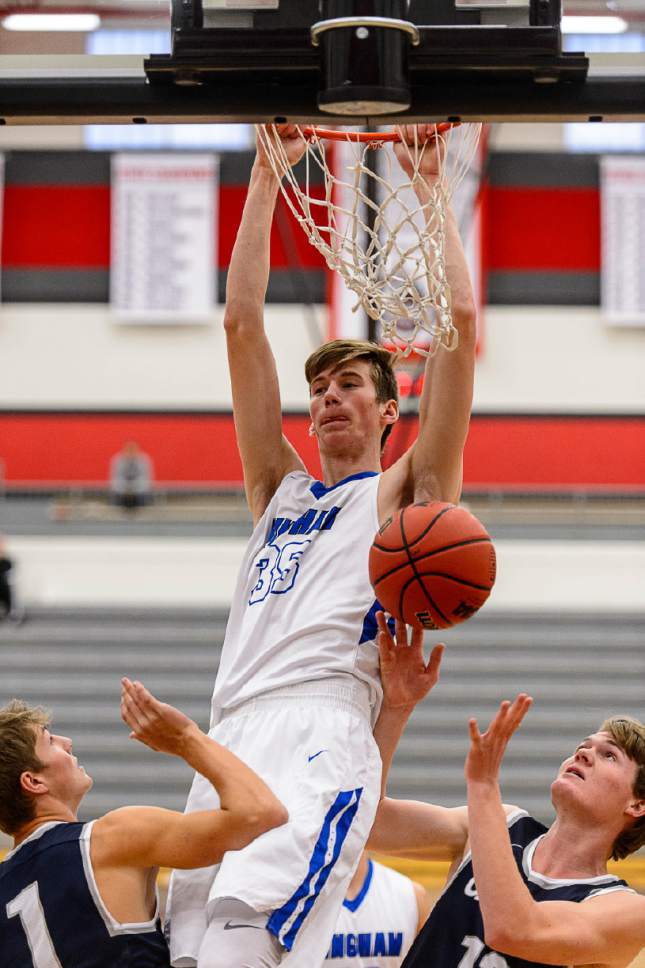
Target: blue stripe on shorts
{"x":286,"y":921}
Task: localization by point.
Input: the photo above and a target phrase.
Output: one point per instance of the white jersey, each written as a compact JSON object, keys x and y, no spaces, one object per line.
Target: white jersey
{"x":303,"y":606}
{"x":377,"y":928}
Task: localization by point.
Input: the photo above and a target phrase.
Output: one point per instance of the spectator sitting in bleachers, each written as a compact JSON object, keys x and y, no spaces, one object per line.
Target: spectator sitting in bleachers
{"x":131,"y":476}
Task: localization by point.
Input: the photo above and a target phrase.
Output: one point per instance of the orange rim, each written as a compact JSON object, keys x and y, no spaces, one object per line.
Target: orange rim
{"x":377,"y":137}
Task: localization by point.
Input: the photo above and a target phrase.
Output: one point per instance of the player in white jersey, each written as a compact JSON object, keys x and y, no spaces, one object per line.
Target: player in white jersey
{"x":379,"y":918}
{"x":298,"y":691}
{"x":520,"y":895}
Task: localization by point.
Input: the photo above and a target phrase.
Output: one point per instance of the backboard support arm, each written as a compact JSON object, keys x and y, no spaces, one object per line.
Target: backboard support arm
{"x":98,"y":101}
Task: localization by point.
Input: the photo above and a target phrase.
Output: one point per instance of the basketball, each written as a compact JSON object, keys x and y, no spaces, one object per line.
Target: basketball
{"x":432,"y":564}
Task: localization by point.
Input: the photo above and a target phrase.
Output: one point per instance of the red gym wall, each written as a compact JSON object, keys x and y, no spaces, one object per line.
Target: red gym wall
{"x":504,"y":452}
{"x":541,"y":232}
{"x":56,"y":230}
{"x":541,"y":242}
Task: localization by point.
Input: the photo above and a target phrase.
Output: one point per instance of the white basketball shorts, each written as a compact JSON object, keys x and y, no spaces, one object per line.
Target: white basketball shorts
{"x":313,"y":745}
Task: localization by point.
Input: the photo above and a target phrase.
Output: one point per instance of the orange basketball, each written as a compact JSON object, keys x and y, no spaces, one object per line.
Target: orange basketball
{"x":432,"y":564}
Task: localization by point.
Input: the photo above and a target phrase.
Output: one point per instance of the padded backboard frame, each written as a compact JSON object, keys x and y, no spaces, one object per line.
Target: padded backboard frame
{"x":500,"y":61}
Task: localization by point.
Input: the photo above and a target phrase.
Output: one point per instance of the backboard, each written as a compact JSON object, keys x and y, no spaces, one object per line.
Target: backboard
{"x":344,"y":61}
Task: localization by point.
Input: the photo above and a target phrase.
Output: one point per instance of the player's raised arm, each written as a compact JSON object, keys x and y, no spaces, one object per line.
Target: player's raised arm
{"x":434,"y":462}
{"x":406,"y":826}
{"x":266,"y":454}
{"x":606,"y":929}
{"x":406,"y":679}
{"x":151,"y":837}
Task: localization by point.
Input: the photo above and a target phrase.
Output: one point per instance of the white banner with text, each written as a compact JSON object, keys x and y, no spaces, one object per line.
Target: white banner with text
{"x":163,"y":259}
{"x":622,"y":181}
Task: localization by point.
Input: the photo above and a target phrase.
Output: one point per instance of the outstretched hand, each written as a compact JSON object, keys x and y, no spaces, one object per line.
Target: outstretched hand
{"x":155,"y":724}
{"x":487,"y":751}
{"x":405,"y":675}
{"x":293,"y":143}
{"x":431,"y":148}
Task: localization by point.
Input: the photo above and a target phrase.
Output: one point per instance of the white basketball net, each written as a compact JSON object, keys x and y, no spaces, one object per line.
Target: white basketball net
{"x":386,"y":242}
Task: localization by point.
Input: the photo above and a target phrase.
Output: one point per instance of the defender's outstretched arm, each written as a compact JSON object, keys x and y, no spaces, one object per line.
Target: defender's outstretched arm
{"x":608,"y":929}
{"x":145,"y":837}
{"x":408,"y":827}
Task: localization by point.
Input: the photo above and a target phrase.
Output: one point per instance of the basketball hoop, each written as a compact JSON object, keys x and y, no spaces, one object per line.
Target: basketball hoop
{"x":387,"y":243}
{"x":373,"y":138}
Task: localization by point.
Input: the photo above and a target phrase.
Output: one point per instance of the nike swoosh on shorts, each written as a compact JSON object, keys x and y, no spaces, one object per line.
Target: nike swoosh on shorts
{"x":310,"y":758}
{"x":229,"y":926}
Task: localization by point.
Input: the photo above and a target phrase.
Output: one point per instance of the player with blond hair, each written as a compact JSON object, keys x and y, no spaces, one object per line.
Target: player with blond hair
{"x":83,"y":895}
{"x":520,"y":894}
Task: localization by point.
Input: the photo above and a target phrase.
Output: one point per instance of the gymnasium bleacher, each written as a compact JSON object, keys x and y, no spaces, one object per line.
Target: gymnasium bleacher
{"x":579,"y":664}
{"x":578,"y":669}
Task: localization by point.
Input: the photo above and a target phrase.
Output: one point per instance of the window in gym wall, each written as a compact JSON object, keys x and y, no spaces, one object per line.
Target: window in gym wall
{"x":605,"y":137}
{"x":117,"y":137}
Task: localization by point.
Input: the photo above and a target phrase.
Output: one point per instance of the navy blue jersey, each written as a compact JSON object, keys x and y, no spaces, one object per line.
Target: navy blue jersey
{"x":52,"y":916}
{"x":452,"y":937}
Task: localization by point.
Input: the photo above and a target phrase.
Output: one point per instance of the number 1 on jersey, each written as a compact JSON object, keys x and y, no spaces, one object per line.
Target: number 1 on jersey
{"x":32,"y":917}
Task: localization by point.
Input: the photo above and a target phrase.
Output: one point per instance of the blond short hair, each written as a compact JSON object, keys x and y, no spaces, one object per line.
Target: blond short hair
{"x":19,"y":725}
{"x":629,"y":734}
